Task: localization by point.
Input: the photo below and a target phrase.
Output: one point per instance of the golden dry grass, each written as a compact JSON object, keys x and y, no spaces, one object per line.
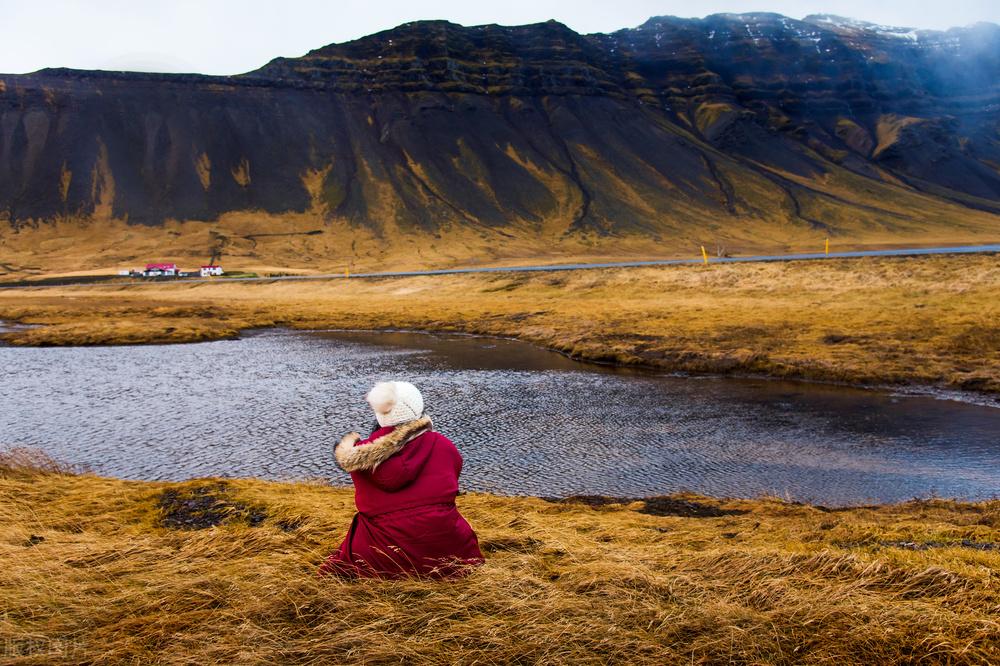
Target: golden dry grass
{"x":90,"y":573}
{"x":929,"y":320}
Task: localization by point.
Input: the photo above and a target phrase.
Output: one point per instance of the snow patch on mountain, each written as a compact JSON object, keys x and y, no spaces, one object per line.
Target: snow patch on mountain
{"x":843,"y":23}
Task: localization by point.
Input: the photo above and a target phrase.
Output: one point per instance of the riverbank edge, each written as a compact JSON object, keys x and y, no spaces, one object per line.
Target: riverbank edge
{"x":696,"y":362}
{"x":24,"y":463}
{"x":27,"y":461}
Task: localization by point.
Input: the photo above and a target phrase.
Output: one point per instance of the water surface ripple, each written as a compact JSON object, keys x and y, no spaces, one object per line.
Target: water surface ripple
{"x":527,"y":421}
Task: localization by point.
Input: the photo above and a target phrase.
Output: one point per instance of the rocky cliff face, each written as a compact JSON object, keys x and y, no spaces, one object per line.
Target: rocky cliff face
{"x":532,"y":131}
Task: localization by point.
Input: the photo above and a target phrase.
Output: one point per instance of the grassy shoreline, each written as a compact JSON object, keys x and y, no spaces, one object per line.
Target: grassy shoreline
{"x":931,"y":321}
{"x":100,"y":570}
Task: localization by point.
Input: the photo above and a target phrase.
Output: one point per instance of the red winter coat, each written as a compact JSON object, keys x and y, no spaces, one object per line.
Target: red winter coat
{"x":405,"y":483}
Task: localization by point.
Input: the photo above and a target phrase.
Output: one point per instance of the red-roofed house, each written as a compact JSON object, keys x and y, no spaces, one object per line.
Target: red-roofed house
{"x":154,"y":270}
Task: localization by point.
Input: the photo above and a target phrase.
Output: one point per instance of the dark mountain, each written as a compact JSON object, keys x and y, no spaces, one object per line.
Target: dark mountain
{"x":735,"y":126}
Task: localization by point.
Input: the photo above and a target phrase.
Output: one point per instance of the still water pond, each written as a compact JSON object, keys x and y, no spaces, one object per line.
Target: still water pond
{"x":527,"y":421}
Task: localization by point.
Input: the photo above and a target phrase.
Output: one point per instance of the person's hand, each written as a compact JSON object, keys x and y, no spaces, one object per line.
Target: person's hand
{"x":347,"y":440}
{"x":343,"y":448}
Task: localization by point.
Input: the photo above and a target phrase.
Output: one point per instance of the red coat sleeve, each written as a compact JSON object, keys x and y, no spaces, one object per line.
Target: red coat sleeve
{"x":402,"y":468}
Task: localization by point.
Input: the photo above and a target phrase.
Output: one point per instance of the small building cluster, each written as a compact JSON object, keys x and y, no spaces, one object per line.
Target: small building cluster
{"x":171,"y":270}
{"x":158,"y":270}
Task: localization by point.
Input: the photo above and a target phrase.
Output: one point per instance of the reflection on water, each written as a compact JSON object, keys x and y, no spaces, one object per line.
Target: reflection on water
{"x":527,"y":421}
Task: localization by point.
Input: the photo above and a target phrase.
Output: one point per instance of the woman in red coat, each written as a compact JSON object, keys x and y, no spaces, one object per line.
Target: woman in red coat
{"x":405,"y":482}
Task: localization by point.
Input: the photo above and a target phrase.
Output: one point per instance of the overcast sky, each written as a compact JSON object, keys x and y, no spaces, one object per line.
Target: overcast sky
{"x":229,"y":37}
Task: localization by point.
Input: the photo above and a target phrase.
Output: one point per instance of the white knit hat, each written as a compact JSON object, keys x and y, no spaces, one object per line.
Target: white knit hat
{"x":395,"y":403}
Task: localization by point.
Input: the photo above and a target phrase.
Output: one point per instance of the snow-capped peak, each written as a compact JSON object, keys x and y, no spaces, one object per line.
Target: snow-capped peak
{"x":833,"y":21}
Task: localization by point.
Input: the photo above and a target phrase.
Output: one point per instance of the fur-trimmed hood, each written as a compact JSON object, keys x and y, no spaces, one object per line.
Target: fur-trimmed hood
{"x":369,"y":456}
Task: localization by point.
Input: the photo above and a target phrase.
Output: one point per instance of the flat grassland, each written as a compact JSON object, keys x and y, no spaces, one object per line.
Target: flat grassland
{"x":97,"y":570}
{"x":929,"y":320}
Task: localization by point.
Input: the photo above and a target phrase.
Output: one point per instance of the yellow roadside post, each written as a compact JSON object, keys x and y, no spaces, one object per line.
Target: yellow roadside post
{"x":827,"y":247}
{"x":704,"y":255}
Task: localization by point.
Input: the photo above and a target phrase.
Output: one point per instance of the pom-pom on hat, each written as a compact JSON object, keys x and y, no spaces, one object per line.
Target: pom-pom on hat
{"x":395,"y":403}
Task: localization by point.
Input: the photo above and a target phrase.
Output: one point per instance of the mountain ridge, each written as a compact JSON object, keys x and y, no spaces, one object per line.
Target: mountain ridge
{"x":750,"y":128}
